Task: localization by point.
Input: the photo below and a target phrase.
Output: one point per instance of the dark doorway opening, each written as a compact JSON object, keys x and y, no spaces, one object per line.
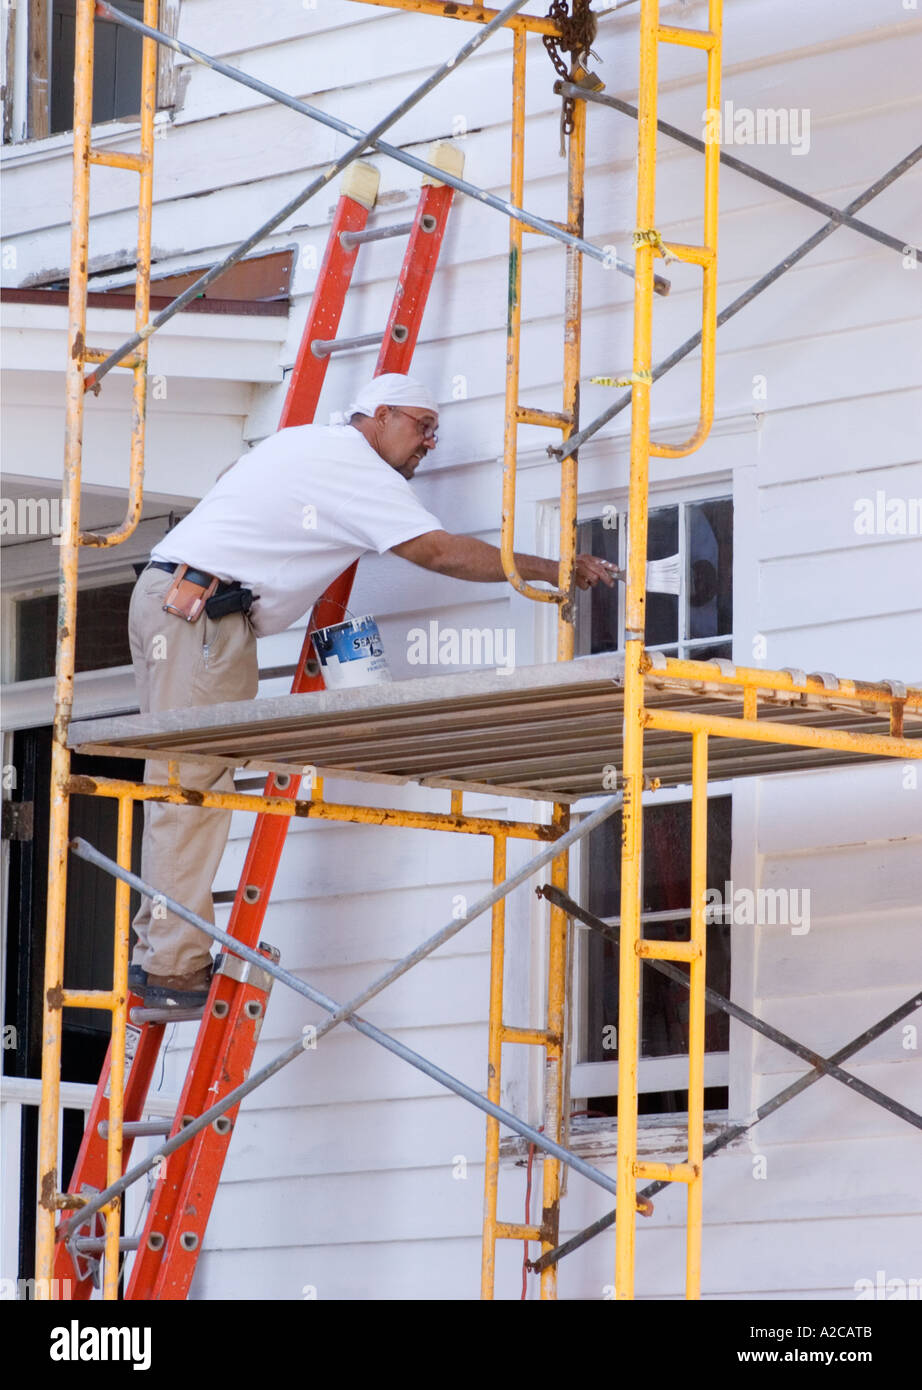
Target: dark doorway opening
{"x":88,"y":954}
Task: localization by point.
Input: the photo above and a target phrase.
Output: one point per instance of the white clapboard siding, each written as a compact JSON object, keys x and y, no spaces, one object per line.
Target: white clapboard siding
{"x":787,"y":521}
{"x":326,"y":932}
{"x":838,"y":1253}
{"x":342,"y":1178}
{"x":350,"y":1069}
{"x":879,"y":644}
{"x":424,"y":1269}
{"x":862,"y":807}
{"x":869,"y":433}
{"x":276,"y":1144}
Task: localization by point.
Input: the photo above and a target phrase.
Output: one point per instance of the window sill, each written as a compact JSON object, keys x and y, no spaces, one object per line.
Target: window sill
{"x":663,"y":1137}
{"x":102,"y":135}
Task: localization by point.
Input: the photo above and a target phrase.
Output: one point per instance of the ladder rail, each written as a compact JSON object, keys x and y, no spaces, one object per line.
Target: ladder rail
{"x":301,"y":399}
{"x":225,"y":1046}
{"x":88,"y":1169}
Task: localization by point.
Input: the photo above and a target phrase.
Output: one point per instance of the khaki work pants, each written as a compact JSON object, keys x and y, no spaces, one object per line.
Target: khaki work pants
{"x":178,"y":664}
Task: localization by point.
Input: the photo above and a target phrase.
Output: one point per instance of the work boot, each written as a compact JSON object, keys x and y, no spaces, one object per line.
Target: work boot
{"x":178,"y":991}
{"x":137,"y":978}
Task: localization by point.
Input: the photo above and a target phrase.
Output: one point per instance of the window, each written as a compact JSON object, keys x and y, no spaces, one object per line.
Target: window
{"x":38,"y":42}
{"x":690,"y":551}
{"x":697,"y":622}
{"x":665,"y":905}
{"x":102,"y":631}
{"x":116,"y":66}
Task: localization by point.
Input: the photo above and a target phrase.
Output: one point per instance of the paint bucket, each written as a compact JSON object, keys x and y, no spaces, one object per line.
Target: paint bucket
{"x":351,"y":654}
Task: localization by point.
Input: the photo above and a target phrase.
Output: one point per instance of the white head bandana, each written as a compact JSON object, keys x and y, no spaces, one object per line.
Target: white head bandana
{"x":391,"y":388}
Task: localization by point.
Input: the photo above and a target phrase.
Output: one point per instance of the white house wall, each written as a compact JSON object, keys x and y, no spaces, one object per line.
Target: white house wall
{"x":342,"y":1178}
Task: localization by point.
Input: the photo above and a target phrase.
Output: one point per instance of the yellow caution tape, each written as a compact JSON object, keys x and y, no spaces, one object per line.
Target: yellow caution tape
{"x":635,"y":379}
{"x":649,"y":236}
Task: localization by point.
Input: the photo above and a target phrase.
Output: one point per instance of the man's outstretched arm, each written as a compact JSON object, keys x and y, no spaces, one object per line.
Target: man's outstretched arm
{"x":464,"y":557}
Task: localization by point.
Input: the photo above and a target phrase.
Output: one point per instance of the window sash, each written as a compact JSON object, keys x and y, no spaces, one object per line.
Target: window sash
{"x":685,"y":646}
{"x":654,"y":1074}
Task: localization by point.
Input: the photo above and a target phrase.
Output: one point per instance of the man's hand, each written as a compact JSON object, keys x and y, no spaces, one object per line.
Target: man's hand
{"x":587,"y":571}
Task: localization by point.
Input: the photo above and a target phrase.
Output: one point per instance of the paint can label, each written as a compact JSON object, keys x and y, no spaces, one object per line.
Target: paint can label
{"x":351,"y":654}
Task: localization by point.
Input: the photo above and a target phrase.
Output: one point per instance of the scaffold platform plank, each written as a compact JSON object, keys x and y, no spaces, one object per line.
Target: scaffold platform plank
{"x":543,"y":732}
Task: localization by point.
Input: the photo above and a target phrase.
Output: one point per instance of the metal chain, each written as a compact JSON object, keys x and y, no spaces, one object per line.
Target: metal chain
{"x":576,"y":33}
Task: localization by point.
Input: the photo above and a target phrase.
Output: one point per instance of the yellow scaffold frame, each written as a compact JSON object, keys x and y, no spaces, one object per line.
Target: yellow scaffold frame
{"x":639,"y":667}
{"x":647,"y":245}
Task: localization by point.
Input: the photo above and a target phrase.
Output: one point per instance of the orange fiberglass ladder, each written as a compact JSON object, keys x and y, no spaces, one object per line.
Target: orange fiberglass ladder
{"x":181,"y":1202}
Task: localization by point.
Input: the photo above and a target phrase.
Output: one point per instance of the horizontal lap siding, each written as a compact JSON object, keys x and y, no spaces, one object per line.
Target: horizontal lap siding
{"x":341,"y":1175}
{"x":359,"y":1146}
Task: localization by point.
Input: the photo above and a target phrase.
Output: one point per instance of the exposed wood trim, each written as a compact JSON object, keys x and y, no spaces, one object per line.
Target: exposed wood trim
{"x":166,"y":58}
{"x":39,"y":64}
{"x":253,"y":308}
{"x":9,"y":60}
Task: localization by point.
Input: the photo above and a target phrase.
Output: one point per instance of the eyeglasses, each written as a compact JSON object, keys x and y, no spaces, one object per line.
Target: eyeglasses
{"x":428,"y":432}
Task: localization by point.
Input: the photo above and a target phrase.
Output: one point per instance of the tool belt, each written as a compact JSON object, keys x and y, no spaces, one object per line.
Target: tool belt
{"x":195,"y":591}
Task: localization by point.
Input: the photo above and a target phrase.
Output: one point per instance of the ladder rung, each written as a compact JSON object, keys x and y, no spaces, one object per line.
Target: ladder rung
{"x":101,"y":354}
{"x":668,"y":950}
{"x":666,"y":1172}
{"x":324,"y":347}
{"x":96,"y":1245}
{"x":511,"y":1230}
{"x":553,"y":419}
{"x":137,"y":1129}
{"x":117,"y":160}
{"x":142,"y":1015}
{"x":348,"y":240}
{"x":687,"y":38}
{"x":87,"y":999}
{"x":537,"y":1036}
{"x":691,"y":255}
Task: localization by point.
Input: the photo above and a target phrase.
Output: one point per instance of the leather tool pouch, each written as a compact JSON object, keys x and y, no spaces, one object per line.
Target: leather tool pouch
{"x":186,"y":597}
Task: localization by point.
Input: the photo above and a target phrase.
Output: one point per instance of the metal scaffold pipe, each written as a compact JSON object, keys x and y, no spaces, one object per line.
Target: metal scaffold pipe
{"x":730,"y":161}
{"x":821,"y":1066}
{"x":345,"y":1013}
{"x":364,"y":140}
{"x":756,"y":288}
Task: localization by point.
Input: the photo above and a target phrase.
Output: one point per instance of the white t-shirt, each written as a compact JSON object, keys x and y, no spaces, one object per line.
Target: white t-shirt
{"x":292,"y":514}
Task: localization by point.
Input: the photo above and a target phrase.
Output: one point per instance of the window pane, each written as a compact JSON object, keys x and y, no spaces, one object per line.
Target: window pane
{"x":667,"y":853}
{"x":666,"y":886}
{"x":102,"y":631}
{"x":605,"y":868}
{"x":666,"y":850}
{"x":662,"y":1102}
{"x":709,"y":530}
{"x":662,"y":622}
{"x":600,"y":1033}
{"x":116,"y":67}
{"x":710,"y":652}
{"x":664,"y":1015}
{"x":597,"y":609}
